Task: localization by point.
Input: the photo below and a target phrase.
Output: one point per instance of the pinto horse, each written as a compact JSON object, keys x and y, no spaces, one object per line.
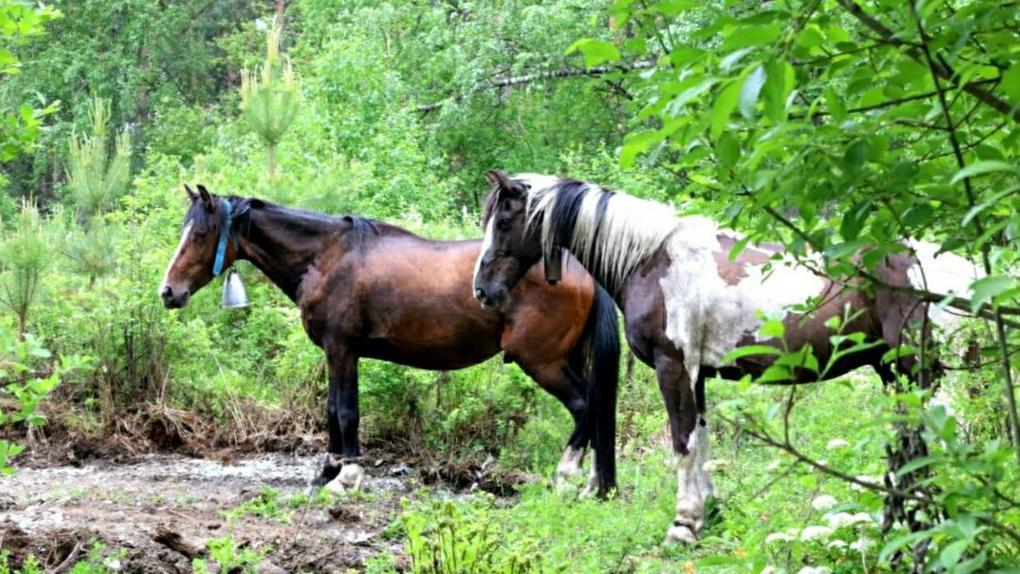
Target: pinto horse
{"x":686,"y":305}
{"x":371,"y":289}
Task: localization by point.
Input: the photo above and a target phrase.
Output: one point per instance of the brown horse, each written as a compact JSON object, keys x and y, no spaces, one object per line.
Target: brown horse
{"x":371,"y":289}
{"x":686,"y":305}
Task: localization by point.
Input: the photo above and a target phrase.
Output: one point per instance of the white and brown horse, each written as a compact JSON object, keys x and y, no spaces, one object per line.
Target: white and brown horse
{"x":687,"y":305}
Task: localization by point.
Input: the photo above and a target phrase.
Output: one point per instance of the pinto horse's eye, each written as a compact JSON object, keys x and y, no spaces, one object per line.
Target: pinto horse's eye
{"x":504,"y":223}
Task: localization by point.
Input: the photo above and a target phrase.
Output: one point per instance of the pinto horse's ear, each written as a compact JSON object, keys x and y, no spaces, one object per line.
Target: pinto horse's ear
{"x":191,"y":194}
{"x":498,"y":178}
{"x":553,"y":264}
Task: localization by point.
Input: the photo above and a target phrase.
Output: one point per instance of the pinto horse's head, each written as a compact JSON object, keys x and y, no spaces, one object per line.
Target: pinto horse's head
{"x":510,"y":247}
{"x":205,"y":250}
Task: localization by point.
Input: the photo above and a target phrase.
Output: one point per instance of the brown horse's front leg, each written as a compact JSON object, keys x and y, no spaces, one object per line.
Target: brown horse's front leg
{"x":343,"y":418}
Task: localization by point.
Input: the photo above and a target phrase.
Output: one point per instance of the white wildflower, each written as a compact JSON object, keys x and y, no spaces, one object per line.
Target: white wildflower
{"x":836,"y":443}
{"x":813,"y":532}
{"x":778,"y":537}
{"x":774,"y":465}
{"x":769,"y":570}
{"x":814,"y":570}
{"x":823,"y":502}
{"x":841,"y":519}
{"x":862,"y":544}
{"x":836,"y":544}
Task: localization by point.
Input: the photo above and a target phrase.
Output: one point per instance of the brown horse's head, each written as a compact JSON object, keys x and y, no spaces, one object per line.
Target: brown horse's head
{"x":510,"y":246}
{"x":193,"y":264}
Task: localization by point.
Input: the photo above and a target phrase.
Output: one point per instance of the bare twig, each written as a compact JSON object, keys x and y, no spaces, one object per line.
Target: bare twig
{"x":566,"y":72}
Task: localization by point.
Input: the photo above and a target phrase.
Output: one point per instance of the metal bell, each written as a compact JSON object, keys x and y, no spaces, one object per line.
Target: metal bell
{"x":234,"y":295}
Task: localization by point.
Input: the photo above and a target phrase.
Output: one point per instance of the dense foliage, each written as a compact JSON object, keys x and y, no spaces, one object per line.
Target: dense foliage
{"x":836,"y":128}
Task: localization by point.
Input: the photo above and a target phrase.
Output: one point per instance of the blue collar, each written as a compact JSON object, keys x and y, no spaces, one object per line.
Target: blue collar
{"x":221,"y":247}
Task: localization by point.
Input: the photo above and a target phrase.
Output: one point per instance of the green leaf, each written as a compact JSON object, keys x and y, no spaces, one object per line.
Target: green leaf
{"x":773,"y":328}
{"x":744,"y":36}
{"x":1011,"y":83}
{"x":994,"y":200}
{"x":950,"y":555}
{"x":981,"y":167}
{"x":746,"y":351}
{"x":750,"y":90}
{"x":986,"y":288}
{"x":897,"y":352}
{"x":727,"y":149}
{"x":854,"y":219}
{"x":778,"y":85}
{"x":595,"y":51}
{"x":738,"y":247}
{"x":837,"y":109}
{"x":855,"y":157}
{"x":635,"y":143}
{"x":723,"y":107}
{"x":918,"y":215}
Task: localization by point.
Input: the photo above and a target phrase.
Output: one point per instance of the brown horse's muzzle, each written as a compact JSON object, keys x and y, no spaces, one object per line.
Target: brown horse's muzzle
{"x":172,"y":299}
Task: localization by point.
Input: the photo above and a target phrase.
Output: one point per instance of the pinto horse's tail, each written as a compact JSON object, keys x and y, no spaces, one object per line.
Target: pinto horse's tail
{"x":602,"y":373}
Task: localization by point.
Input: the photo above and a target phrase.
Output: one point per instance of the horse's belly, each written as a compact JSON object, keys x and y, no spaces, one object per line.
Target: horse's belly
{"x":438,"y":354}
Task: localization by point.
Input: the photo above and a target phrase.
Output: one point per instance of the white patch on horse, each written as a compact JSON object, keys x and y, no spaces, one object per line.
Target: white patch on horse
{"x":705,"y":316}
{"x":486,"y":245}
{"x":693,"y":486}
{"x":946,"y":273}
{"x":180,"y":247}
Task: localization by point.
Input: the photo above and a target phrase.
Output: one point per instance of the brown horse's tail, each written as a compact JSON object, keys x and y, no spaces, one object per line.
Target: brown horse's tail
{"x":602,"y":373}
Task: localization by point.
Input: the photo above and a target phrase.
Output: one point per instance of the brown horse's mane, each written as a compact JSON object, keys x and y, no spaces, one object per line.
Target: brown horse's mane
{"x":303,"y":222}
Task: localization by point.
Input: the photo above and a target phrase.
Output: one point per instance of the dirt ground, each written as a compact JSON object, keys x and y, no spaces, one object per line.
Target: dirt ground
{"x":163,"y":508}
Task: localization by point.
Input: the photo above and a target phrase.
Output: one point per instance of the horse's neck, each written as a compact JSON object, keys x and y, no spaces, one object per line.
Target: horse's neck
{"x":283,"y":246}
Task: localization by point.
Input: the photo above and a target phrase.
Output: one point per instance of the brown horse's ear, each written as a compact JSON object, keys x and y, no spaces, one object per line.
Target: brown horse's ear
{"x":191,"y":194}
{"x":206,"y":197}
{"x":554,"y":265}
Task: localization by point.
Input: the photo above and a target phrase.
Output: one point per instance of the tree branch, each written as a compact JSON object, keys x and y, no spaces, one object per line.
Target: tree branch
{"x":567,"y":72}
{"x":1014,"y":424}
{"x":938,"y":69}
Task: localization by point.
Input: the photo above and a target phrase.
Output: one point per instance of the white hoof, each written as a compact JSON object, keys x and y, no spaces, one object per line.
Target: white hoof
{"x":335,"y":486}
{"x":351,"y":476}
{"x":593,"y":483}
{"x":680,"y":533}
{"x":569,"y":466}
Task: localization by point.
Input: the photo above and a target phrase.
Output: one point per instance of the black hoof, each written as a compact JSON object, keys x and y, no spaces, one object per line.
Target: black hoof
{"x":327,"y":475}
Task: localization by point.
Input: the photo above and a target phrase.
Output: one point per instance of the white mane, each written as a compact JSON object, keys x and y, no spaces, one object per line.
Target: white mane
{"x":612,"y":246}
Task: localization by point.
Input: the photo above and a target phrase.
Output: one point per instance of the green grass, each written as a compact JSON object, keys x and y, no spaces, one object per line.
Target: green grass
{"x":760,"y":492}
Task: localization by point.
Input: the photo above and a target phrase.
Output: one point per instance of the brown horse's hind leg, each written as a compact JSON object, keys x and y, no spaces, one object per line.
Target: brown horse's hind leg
{"x":560,"y":381}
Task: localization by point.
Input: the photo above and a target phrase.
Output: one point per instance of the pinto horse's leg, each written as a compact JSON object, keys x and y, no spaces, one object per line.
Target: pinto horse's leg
{"x":342,"y":410}
{"x":690,"y":435}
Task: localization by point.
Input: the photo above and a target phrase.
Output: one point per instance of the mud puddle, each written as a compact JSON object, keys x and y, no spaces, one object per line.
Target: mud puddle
{"x":164,"y":510}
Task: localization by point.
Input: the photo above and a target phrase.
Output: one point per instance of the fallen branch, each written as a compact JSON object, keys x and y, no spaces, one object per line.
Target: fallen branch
{"x":567,"y":72}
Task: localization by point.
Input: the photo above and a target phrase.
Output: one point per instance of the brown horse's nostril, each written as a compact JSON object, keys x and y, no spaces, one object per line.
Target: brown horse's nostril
{"x":167,"y":292}
{"x":479,"y":293}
